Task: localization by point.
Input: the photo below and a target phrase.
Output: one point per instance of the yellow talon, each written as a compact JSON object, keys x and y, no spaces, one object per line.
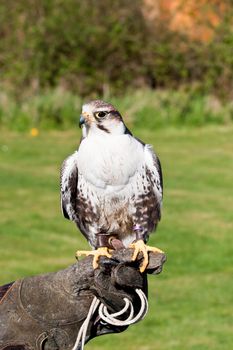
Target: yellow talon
{"x":140,"y":247}
{"x":102,"y":251}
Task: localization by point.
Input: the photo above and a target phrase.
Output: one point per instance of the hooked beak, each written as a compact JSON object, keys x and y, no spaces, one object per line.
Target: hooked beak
{"x":81,"y":120}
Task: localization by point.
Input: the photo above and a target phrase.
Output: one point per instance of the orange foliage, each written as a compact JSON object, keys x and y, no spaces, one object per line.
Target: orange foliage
{"x":197,"y":19}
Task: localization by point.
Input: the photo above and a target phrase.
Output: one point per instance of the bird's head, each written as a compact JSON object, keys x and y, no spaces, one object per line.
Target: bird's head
{"x":99,"y":117}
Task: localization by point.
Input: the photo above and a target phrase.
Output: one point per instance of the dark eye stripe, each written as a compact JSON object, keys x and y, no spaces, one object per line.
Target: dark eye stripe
{"x":101,"y":127}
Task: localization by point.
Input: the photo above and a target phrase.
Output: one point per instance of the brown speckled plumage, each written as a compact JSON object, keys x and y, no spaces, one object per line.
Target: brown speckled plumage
{"x":113,"y":183}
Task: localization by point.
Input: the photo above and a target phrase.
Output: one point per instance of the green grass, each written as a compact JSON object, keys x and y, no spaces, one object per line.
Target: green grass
{"x":191,"y":302}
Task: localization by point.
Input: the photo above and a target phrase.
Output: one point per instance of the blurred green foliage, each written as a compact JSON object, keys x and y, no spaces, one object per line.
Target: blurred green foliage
{"x":54,"y":109}
{"x":105,"y":47}
{"x":84,"y":45}
{"x":60,"y":109}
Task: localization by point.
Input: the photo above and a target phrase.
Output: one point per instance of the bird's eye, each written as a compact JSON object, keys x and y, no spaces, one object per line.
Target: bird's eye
{"x":100,"y":114}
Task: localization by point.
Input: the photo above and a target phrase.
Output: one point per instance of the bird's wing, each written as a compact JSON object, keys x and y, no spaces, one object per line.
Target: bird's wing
{"x":68,"y":186}
{"x":154,"y":174}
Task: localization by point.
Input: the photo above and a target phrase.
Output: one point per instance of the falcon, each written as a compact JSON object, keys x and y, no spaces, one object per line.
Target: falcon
{"x":112,"y":186}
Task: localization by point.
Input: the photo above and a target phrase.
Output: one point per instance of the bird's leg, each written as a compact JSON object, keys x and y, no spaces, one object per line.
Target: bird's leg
{"x":140,"y":247}
{"x":101,"y":251}
{"x":104,"y":249}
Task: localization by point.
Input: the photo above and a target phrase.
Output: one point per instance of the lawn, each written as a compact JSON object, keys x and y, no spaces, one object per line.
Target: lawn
{"x":191,"y":302}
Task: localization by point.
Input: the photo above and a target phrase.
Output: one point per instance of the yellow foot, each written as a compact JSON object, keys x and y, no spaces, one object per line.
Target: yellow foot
{"x":140,"y":246}
{"x":102,"y":251}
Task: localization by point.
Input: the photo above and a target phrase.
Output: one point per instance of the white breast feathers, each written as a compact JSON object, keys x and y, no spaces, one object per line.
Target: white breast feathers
{"x":109,"y":161}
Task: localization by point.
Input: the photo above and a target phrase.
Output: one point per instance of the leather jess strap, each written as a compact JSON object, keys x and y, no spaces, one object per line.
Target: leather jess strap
{"x":4,"y":289}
